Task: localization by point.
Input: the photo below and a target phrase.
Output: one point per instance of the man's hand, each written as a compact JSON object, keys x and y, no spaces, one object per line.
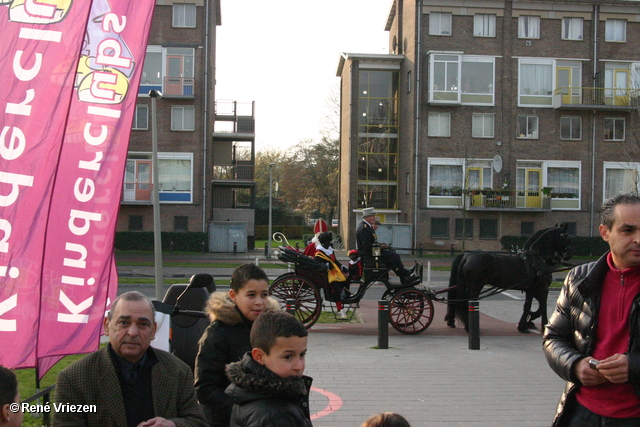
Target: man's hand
{"x":586,"y":374}
{"x":157,"y":422}
{"x":615,"y":368}
{"x":384,"y":246}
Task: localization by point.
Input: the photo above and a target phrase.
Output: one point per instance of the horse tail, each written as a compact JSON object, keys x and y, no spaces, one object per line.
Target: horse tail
{"x":453,"y":294}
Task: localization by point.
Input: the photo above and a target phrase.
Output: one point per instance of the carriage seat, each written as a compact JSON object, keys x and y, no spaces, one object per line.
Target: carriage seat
{"x":301,"y":261}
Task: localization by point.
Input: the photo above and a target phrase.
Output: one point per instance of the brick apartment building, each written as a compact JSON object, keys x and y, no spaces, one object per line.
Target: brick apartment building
{"x":491,"y":118}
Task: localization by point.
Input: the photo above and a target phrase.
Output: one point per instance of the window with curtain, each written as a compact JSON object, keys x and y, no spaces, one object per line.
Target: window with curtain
{"x":536,"y":78}
{"x":184,"y":15}
{"x":445,"y":180}
{"x":183,"y":118}
{"x":529,"y":27}
{"x":618,"y":180}
{"x":439,"y":124}
{"x":565,"y":182}
{"x":484,"y":25}
{"x":439,"y":24}
{"x":572,"y":28}
{"x":141,"y":119}
{"x":482,"y":125}
{"x":570,"y":127}
{"x":174,"y":174}
{"x":615,"y":30}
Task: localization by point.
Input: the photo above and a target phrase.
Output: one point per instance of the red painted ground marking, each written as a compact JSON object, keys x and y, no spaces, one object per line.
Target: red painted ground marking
{"x":334,"y":404}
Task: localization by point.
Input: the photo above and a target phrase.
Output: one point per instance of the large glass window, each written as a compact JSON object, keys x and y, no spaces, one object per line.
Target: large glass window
{"x":565,"y":182}
{"x":613,"y":129}
{"x":175,"y":177}
{"x":484,"y":25}
{"x":620,"y":178}
{"x":488,"y":229}
{"x":184,"y":15}
{"x":615,"y":30}
{"x":169,"y":70}
{"x":439,"y":24}
{"x":572,"y":28}
{"x":482,"y":125}
{"x":570,"y":127}
{"x":377,"y":101}
{"x":439,"y":124}
{"x":445,"y":180}
{"x":440,"y":227}
{"x":535,"y":82}
{"x":462,"y":79}
{"x":529,"y":27}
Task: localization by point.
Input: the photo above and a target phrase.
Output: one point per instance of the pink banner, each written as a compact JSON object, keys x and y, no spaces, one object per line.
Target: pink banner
{"x":58,"y":232}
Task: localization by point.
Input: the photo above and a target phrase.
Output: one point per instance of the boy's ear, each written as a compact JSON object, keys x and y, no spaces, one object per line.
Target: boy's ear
{"x":258,"y":355}
{"x":4,"y":413}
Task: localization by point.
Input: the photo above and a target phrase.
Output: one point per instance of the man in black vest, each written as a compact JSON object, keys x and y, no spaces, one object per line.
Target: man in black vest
{"x":366,"y":238}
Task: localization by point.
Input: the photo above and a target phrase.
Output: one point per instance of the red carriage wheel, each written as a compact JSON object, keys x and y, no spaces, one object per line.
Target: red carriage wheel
{"x":307,"y":297}
{"x":410,"y":311}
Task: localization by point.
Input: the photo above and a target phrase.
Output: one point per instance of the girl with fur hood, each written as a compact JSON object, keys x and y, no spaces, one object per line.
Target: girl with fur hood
{"x":226,"y":339}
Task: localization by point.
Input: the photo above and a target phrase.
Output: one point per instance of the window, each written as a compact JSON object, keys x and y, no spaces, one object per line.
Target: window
{"x":462,"y":79}
{"x":535,"y":82}
{"x":440,"y":24}
{"x":464,"y":228}
{"x":482,"y":125}
{"x":175,"y":176}
{"x":183,"y":118}
{"x":135,"y":222}
{"x":527,"y":127}
{"x":526,"y":228}
{"x":445,"y":180}
{"x":184,"y":15}
{"x":440,"y":227}
{"x":484,"y":25}
{"x":529,"y":27}
{"x":169,"y":70}
{"x":564,"y":181}
{"x":572,"y":28}
{"x":409,"y":81}
{"x":488,"y":229}
{"x":613,"y":129}
{"x":439,"y":124}
{"x":615,"y":30}
{"x":141,"y":118}
{"x":620,"y":178}
{"x":181,"y":223}
{"x":570,"y":127}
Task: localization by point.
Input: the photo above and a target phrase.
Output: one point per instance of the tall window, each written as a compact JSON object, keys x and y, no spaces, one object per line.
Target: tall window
{"x":615,"y":30}
{"x":488,"y":229}
{"x":141,"y":119}
{"x":484,"y":25}
{"x":620,"y":178}
{"x":613,"y":129}
{"x":529,"y":27}
{"x":572,"y":28}
{"x":565,"y":182}
{"x":464,"y":228}
{"x":535,"y":82}
{"x":527,"y":127}
{"x":482,"y":125}
{"x":183,"y":118}
{"x":445,"y":180}
{"x":439,"y":24}
{"x":184,"y":15}
{"x":439,"y":124}
{"x":570,"y":127}
{"x":462,"y":79}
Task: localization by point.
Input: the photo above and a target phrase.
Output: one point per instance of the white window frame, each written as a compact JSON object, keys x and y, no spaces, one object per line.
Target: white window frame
{"x":563,"y":165}
{"x":616,"y":121}
{"x":453,"y":91}
{"x":522,"y":82}
{"x":444,"y":162}
{"x":633,"y":167}
{"x":181,"y":109}
{"x":479,"y":122}
{"x":440,"y":24}
{"x":129,"y":194}
{"x":531,"y":122}
{"x":615,"y":30}
{"x":572,"y":29}
{"x":141,"y":109}
{"x":528,"y":27}
{"x":484,"y":25}
{"x":184,"y":15}
{"x":436,"y":127}
{"x":571,"y":136}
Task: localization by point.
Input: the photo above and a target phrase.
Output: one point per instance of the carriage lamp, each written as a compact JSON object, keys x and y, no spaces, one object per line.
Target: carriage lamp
{"x":376,"y":251}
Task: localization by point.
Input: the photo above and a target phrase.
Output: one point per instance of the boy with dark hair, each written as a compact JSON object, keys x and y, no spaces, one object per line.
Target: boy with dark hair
{"x":10,"y":414}
{"x":268,"y":388}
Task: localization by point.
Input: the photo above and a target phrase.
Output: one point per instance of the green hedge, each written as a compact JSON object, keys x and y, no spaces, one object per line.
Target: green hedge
{"x":143,"y":241}
{"x":580,"y":246}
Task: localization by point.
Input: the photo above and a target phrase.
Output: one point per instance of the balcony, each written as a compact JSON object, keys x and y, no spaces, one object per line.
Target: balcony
{"x":507,"y":200}
{"x":598,"y":98}
{"x":178,"y":87}
{"x":233,"y":173}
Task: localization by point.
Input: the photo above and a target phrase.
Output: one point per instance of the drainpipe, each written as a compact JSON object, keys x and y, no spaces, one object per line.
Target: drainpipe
{"x":205,"y":121}
{"x":596,"y":9}
{"x":417,"y":129}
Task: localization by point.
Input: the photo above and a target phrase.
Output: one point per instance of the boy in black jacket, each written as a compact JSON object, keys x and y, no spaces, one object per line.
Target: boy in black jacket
{"x":267,"y":385}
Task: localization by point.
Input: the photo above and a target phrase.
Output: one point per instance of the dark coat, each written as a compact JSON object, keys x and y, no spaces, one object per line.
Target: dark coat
{"x":92,"y":380}
{"x":263,"y":399}
{"x":365,"y":238}
{"x":226,"y":340}
{"x":570,"y":334}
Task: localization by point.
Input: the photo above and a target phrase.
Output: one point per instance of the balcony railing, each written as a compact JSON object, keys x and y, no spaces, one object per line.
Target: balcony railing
{"x":233,"y":172}
{"x":507,"y":199}
{"x":589,"y":97}
{"x":137,"y":192}
{"x":178,"y":87}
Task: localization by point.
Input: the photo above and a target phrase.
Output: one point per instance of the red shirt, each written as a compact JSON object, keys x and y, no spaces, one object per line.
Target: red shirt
{"x":619,"y":289}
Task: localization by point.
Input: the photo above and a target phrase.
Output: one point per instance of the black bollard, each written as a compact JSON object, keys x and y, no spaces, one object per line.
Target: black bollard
{"x":290,"y":306}
{"x":420,"y":250}
{"x":383,"y":324}
{"x":298,"y":246}
{"x":474,"y":325}
{"x":235,"y":248}
{"x":203,"y":247}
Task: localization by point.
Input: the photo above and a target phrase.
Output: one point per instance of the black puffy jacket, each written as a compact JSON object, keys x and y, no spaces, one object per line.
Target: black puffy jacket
{"x":570,"y":334}
{"x":263,"y":399}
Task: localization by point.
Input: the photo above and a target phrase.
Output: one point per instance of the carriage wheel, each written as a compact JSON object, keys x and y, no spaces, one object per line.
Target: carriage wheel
{"x":308,"y":301}
{"x":410,"y":311}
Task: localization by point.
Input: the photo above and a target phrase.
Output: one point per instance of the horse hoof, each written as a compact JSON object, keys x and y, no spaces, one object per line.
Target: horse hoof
{"x":531,"y":325}
{"x":523,"y":330}
{"x":451,"y":324}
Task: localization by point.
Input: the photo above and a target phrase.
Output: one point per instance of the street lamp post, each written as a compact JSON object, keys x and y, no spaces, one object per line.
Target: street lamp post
{"x":157,"y":236}
{"x":270,"y":209}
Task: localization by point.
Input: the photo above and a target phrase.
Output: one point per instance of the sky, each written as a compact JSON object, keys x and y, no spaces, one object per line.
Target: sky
{"x":284,"y":54}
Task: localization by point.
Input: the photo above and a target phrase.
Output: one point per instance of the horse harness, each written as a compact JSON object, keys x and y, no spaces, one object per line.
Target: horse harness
{"x":533,"y":272}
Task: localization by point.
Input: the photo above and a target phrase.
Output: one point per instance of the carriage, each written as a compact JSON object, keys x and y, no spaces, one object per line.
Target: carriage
{"x":410,"y":307}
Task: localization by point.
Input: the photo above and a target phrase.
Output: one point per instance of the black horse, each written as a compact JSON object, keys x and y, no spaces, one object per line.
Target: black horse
{"x":529,"y":271}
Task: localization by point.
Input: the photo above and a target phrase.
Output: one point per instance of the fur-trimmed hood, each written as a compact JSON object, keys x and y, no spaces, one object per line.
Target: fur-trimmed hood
{"x":220,"y":307}
{"x":252,"y":381}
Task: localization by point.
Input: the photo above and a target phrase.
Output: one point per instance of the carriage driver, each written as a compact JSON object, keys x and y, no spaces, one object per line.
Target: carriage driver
{"x":366,"y":238}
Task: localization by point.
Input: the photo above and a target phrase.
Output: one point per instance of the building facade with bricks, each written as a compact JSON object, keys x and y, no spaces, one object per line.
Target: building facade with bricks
{"x":491,"y":118}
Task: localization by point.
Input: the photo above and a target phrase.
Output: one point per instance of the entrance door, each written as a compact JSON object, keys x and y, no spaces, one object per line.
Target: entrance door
{"x":175,"y":73}
{"x":533,"y":184}
{"x":617,"y":86}
{"x":143,"y":180}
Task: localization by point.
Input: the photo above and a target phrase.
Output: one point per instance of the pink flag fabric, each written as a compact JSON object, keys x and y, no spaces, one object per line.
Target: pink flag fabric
{"x":71,"y":73}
